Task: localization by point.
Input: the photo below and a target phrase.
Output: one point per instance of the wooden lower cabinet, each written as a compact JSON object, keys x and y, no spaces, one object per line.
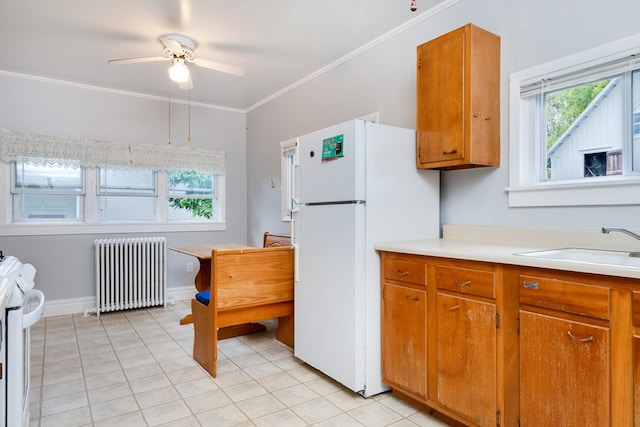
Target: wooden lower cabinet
{"x":466,"y":349}
{"x":564,"y":372}
{"x":487,"y":344}
{"x":636,"y":379}
{"x":441,"y":337}
{"x":636,"y":356}
{"x":404,"y":349}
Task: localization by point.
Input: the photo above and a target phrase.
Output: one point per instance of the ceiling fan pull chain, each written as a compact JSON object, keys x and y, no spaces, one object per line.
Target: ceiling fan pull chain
{"x":414,"y":6}
{"x":189,"y":136}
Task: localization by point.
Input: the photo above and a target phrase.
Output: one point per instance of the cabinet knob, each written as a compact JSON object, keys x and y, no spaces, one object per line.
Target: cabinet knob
{"x":476,"y":114}
{"x":488,"y":118}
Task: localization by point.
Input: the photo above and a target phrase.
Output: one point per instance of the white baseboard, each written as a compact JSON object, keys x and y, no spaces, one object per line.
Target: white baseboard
{"x":64,"y":307}
{"x":181,"y":293}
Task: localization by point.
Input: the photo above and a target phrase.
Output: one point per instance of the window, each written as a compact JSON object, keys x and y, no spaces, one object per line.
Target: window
{"x":191,"y":196}
{"x":126,"y":194}
{"x":575,"y":129}
{"x":46,"y":190}
{"x":67,"y":185}
{"x":287,"y":162}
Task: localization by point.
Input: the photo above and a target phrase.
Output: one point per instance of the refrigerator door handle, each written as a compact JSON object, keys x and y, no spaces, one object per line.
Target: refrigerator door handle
{"x":296,"y":258}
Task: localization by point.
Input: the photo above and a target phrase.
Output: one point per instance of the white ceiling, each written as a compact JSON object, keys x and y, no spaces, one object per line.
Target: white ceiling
{"x":277,"y":42}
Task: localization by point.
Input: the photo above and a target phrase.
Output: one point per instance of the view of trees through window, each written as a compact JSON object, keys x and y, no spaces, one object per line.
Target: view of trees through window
{"x":565,"y":106}
{"x":584,"y":123}
{"x":196,"y":191}
{"x":575,"y":135}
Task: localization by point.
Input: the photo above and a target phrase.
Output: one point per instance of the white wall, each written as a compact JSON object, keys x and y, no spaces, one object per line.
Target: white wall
{"x":383,"y":79}
{"x":65,"y":263}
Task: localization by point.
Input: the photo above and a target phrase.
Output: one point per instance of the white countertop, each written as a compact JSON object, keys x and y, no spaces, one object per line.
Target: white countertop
{"x":499,"y":244}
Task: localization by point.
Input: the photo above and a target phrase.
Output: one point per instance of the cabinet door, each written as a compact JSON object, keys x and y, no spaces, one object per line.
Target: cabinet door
{"x":564,"y":372}
{"x":636,"y":380}
{"x":458,"y":100}
{"x":404,"y":345}
{"x":467,"y":358}
{"x":440,"y":80}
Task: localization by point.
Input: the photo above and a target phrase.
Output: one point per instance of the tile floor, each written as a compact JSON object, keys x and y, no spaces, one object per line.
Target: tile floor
{"x":134,"y":368}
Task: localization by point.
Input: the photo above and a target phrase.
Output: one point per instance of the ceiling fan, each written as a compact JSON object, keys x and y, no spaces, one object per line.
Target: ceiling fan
{"x":180,"y":51}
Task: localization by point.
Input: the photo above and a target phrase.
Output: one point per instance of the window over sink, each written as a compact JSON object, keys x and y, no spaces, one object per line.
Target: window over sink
{"x":575,"y":129}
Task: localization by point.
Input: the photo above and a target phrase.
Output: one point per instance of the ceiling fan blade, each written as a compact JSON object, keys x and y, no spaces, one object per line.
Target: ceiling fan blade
{"x":172,"y":45}
{"x":219,"y":66}
{"x":136,"y":60}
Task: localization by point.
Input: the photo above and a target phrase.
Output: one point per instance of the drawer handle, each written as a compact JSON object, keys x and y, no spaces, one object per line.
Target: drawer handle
{"x":412,"y":299}
{"x":402,"y":273}
{"x":462,"y":284}
{"x":447,"y":153}
{"x":585,"y":339}
{"x":454,"y":307}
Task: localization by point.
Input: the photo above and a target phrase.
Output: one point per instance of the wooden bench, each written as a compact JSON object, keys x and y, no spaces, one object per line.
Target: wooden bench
{"x":270,"y":240}
{"x":247,"y":285}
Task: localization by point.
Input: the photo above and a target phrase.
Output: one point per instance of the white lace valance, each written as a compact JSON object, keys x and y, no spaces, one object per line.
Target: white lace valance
{"x":96,"y":153}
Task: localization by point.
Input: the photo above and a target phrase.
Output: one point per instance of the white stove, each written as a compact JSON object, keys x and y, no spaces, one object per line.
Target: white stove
{"x":23,"y":309}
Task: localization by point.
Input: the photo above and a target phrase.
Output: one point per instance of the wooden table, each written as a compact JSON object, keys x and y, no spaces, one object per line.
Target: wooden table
{"x":202,"y":280}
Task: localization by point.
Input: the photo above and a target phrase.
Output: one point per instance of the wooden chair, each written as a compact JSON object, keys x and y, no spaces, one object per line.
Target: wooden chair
{"x":247,"y":285}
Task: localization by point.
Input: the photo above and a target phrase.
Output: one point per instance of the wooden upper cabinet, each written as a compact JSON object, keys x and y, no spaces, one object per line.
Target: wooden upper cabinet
{"x":458,"y":100}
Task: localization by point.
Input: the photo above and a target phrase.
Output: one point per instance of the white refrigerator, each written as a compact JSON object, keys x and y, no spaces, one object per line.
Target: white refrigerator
{"x":355,"y":185}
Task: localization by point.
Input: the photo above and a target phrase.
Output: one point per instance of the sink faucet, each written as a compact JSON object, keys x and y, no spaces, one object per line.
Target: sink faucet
{"x":607,"y":230}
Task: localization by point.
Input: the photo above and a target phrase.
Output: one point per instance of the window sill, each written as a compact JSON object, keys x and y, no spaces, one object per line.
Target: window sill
{"x":606,"y":192}
{"x":32,"y":229}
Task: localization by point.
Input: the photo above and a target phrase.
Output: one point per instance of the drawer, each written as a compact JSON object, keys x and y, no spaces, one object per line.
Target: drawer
{"x":570,"y":297}
{"x":404,"y":271}
{"x":466,"y":280}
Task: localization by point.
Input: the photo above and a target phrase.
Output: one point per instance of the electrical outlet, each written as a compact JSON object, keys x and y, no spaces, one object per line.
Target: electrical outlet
{"x":189,"y":267}
{"x":273,"y":183}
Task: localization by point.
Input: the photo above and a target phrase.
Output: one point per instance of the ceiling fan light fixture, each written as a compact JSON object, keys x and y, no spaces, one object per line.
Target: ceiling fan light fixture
{"x":179,"y":72}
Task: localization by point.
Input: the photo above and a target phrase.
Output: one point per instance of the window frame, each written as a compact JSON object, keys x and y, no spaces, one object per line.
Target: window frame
{"x":215,"y":200}
{"x":91,"y":225}
{"x":524,"y":190}
{"x":13,"y":190}
{"x":148,"y":194}
{"x":288,"y":148}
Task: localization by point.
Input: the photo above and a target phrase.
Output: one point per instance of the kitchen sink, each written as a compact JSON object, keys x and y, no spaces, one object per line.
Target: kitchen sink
{"x":587,"y":256}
